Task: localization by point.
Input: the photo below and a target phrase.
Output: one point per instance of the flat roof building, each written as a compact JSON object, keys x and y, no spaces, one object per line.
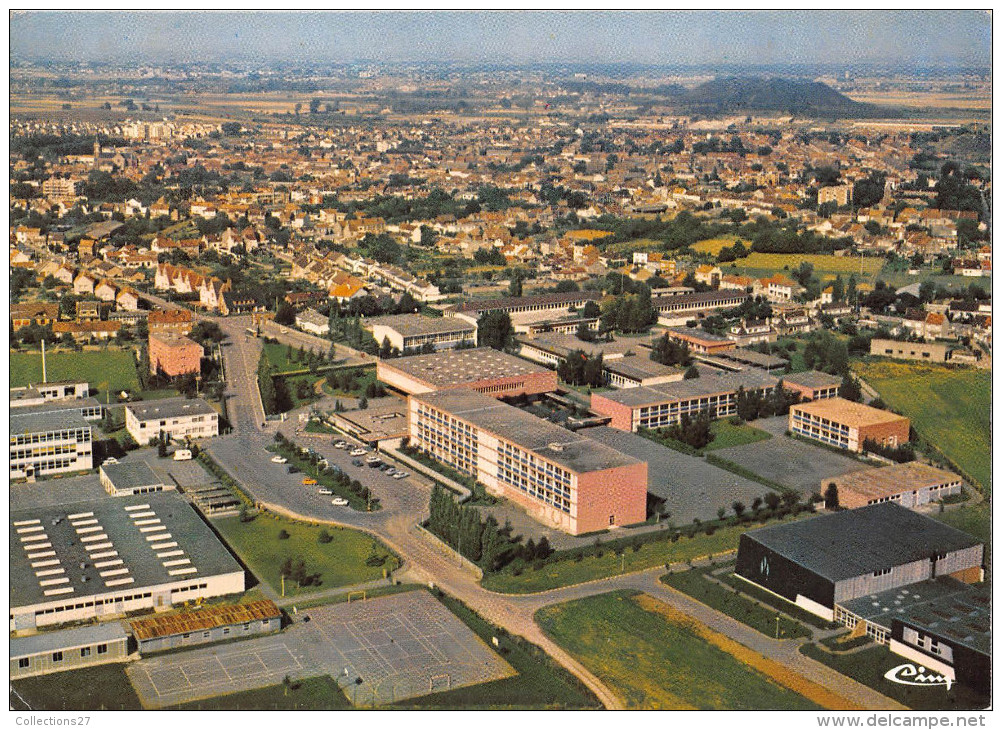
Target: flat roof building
{"x":911,"y":485}
{"x":926,"y":352}
{"x":410,"y":332}
{"x":562,"y":479}
{"x":823,"y":562}
{"x":700,"y":340}
{"x":173,"y":355}
{"x":655,"y":406}
{"x":58,"y":651}
{"x":179,"y":418}
{"x":813,"y":385}
{"x":89,"y":408}
{"x":134,"y":477}
{"x":847,"y":425}
{"x":45,"y":443}
{"x":102,"y":558}
{"x":310,"y":320}
{"x":36,"y":395}
{"x":383,"y":418}
{"x":482,"y":369}
{"x":755,"y":359}
{"x":635,"y":371}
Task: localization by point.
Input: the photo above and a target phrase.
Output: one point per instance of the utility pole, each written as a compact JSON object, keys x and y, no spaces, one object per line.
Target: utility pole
{"x":777,"y":625}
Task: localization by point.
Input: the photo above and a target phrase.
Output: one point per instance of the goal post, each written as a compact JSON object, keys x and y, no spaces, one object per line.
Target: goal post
{"x":439,"y":682}
{"x":356,"y":594}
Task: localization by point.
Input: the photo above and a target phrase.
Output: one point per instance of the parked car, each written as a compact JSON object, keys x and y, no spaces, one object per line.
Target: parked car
{"x":309,"y":481}
{"x":339,"y":502}
{"x":358,"y":451}
{"x":390,"y":472}
{"x":293,"y":469}
{"x":278,"y":460}
{"x":401,"y":475}
{"x":357,"y":462}
{"x":324,"y":490}
{"x":340,"y":445}
{"x":182,"y":455}
{"x":109,"y":460}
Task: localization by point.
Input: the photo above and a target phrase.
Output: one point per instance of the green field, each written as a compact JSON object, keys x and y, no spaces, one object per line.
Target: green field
{"x":95,"y":688}
{"x":105,"y":370}
{"x":315,"y":693}
{"x":974,"y":519}
{"x":541,"y":683}
{"x":764,"y":263}
{"x":277,"y":356}
{"x":569,"y":571}
{"x":339,"y":562}
{"x":695,"y":583}
{"x":726,"y":434}
{"x":653,"y":662}
{"x":950,"y":408}
{"x":713,"y":245}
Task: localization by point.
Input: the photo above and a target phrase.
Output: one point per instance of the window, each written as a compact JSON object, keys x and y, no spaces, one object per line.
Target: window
{"x":612,"y":519}
{"x":23,"y":663}
{"x":205,"y":635}
{"x":226,"y":631}
{"x":885,"y":571}
{"x":102,"y":648}
{"x":57,"y":656}
{"x":84,"y":652}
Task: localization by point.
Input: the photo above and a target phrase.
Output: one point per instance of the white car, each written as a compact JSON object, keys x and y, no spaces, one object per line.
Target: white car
{"x":339,"y":502}
{"x":401,"y":475}
{"x":358,"y":452}
{"x":109,"y":460}
{"x":325,"y":491}
{"x":278,"y":460}
{"x":340,"y":445}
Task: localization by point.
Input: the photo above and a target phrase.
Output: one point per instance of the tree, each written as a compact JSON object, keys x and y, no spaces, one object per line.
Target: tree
{"x":591,"y":310}
{"x":831,"y":496}
{"x":691,"y":373}
{"x":494,"y":329}
{"x":850,"y":389}
{"x":772,"y":500}
{"x":739,"y":508}
{"x":286,"y":314}
{"x":515,"y":285}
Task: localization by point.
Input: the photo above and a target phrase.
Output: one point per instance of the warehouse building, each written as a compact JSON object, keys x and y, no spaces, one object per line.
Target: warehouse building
{"x":821,"y":564}
{"x":206,"y":625}
{"x":911,"y":485}
{"x":562,"y":479}
{"x":847,"y":425}
{"x":812,"y":385}
{"x":664,"y":405}
{"x":678,"y":308}
{"x":179,"y":418}
{"x":544,"y":304}
{"x":101,"y":558}
{"x":43,"y":444}
{"x":410,"y":332}
{"x":134,"y":477}
{"x":926,"y":352}
{"x":59,"y":651}
{"x":482,"y":369}
{"x":635,"y":371}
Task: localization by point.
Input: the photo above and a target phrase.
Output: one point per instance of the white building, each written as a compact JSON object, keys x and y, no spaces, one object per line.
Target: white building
{"x":310,"y":320}
{"x":410,"y":332}
{"x":179,"y":418}
{"x":48,"y":443}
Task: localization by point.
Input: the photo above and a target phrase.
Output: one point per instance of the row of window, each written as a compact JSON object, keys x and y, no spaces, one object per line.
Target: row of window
{"x":835,"y":440}
{"x":78,"y":435}
{"x":825,"y":423}
{"x":57,"y":656}
{"x":43,"y":467}
{"x":112,"y":601}
{"x":39,"y":451}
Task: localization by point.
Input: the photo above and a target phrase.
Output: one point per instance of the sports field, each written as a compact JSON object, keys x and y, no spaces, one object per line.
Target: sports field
{"x":655,"y":658}
{"x":950,"y":408}
{"x":105,"y":370}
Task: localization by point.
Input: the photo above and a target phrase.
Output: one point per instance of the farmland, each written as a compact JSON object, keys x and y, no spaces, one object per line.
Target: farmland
{"x":713,"y":245}
{"x":655,"y":658}
{"x":105,"y":370}
{"x":950,"y":408}
{"x":767,"y":263}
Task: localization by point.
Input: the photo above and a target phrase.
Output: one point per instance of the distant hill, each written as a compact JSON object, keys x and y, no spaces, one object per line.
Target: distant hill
{"x":792,"y":96}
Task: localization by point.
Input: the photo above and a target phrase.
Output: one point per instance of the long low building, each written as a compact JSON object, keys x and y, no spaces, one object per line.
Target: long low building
{"x":482,"y":369}
{"x":911,"y":485}
{"x":36,"y":395}
{"x":847,"y":425}
{"x":76,"y":648}
{"x":472,"y":310}
{"x":701,"y":341}
{"x":101,"y":558}
{"x":821,"y":563}
{"x":179,"y":418}
{"x":411,"y":332}
{"x":87,"y":408}
{"x":43,"y":444}
{"x":563,"y":479}
{"x":655,"y":406}
{"x":206,"y":625}
{"x":813,"y":384}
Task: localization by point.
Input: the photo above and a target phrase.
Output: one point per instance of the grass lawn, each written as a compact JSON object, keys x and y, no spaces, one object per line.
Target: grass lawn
{"x":869,"y":666}
{"x":694,"y":583}
{"x":315,"y":693}
{"x":540,"y":683}
{"x":769,"y":599}
{"x":276,"y":354}
{"x":823,"y":264}
{"x":655,"y":661}
{"x":727,"y":434}
{"x":105,"y":370}
{"x":569,"y":571}
{"x":950,"y":408}
{"x":95,"y":688}
{"x":363,"y":376}
{"x":713,"y":245}
{"x":974,"y":519}
{"x":319,"y":427}
{"x":339,"y":562}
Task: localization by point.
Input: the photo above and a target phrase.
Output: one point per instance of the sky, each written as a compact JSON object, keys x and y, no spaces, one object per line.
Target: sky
{"x":679,"y":38}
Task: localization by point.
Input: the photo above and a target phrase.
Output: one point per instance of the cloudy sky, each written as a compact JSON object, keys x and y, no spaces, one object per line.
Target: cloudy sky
{"x":927,"y":38}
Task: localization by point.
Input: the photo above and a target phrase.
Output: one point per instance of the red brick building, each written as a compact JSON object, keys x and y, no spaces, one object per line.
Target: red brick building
{"x":174,"y":355}
{"x":847,"y":425}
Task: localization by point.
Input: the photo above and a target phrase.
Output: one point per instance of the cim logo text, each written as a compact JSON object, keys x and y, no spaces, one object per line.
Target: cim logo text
{"x":916,"y":676}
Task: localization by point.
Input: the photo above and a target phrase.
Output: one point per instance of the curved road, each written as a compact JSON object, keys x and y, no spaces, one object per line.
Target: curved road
{"x":243,"y":455}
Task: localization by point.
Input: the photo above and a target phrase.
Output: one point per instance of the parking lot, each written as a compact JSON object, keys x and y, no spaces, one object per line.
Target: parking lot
{"x":380,"y":651}
{"x":790,"y":462}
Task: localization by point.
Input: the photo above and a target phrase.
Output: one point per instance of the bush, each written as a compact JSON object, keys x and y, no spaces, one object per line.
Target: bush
{"x":324,"y":537}
{"x":283,"y":534}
